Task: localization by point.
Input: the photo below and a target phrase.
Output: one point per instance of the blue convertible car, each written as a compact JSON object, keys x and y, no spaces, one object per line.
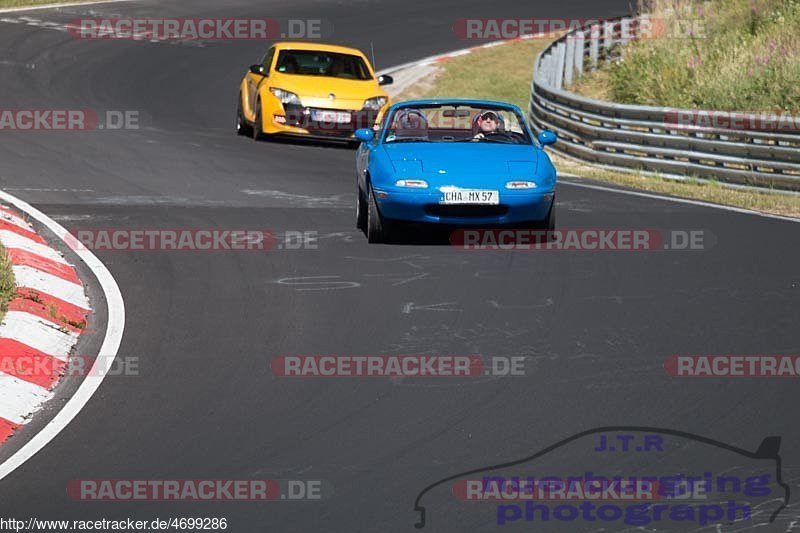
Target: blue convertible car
{"x":454,"y":162}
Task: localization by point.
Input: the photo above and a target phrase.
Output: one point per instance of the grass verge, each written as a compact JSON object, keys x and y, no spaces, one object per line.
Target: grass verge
{"x":504,"y":73}
{"x":497,"y":73}
{"x":7,"y":286}
{"x":729,"y":55}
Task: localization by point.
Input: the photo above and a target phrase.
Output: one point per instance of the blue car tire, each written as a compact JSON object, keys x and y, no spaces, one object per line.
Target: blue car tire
{"x":361,"y":210}
{"x":376,"y":228}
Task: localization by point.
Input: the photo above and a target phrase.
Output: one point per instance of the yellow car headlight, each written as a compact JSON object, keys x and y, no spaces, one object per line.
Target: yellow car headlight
{"x":285,"y":96}
{"x":376,"y":103}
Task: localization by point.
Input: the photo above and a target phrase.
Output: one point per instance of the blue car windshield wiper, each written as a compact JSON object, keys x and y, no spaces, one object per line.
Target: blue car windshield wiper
{"x":504,"y":141}
{"x":408,"y":140}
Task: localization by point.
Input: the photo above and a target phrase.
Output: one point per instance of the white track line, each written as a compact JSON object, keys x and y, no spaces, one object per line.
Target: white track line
{"x":675,"y":199}
{"x":109,"y":348}
{"x":53,"y":6}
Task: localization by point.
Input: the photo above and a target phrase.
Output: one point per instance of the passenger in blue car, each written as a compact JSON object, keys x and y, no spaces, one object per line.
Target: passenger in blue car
{"x":409,"y":125}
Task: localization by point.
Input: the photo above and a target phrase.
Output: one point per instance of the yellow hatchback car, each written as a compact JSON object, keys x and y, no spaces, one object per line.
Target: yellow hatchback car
{"x":311,"y":90}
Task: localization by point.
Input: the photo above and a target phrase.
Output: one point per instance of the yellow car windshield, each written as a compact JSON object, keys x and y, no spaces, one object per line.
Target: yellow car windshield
{"x":314,"y":63}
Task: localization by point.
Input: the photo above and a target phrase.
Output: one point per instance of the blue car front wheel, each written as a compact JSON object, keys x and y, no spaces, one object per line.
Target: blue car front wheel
{"x":361,"y":210}
{"x":376,"y":226}
{"x":549,"y":223}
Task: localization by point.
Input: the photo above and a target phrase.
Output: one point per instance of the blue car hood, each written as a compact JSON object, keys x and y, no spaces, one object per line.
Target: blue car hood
{"x":465,"y":163}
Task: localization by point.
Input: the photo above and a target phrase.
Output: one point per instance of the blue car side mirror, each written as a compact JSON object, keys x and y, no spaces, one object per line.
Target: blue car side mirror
{"x":547,"y":137}
{"x":364,"y":135}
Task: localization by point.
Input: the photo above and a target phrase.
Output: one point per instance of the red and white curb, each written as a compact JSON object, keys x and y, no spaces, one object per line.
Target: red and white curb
{"x":42,"y":323}
{"x":114,"y":329}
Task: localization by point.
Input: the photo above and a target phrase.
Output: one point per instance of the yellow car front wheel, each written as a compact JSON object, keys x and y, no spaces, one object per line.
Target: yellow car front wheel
{"x":242,"y":127}
{"x":258,"y":132}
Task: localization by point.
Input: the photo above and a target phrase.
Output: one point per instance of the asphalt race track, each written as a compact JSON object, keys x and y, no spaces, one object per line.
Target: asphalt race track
{"x":594,"y":328}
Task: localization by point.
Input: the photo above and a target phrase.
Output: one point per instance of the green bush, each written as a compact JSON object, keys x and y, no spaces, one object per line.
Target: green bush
{"x":746,"y":58}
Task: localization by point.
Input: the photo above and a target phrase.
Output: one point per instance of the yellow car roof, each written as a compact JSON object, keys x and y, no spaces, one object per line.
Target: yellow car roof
{"x":289,"y":45}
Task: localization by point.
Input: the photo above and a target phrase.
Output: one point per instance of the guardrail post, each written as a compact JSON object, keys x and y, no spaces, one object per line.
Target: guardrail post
{"x":580,"y":49}
{"x":569,"y":61}
{"x":544,"y":71}
{"x":608,"y":39}
{"x":644,"y":26}
{"x":625,"y":31}
{"x":560,"y":53}
{"x":594,"y":45}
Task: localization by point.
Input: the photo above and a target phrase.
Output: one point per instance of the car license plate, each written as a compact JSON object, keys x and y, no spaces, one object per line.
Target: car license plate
{"x":331,"y":116}
{"x":470,"y":196}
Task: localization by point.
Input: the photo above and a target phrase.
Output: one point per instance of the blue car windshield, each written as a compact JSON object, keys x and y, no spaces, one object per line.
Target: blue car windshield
{"x":456,"y":123}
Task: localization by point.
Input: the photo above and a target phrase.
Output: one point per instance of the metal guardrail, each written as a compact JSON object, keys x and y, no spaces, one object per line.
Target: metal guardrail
{"x":644,"y":137}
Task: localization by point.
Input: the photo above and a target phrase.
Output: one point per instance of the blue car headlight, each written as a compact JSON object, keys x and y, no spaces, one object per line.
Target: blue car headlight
{"x":520,"y":184}
{"x":412,"y":183}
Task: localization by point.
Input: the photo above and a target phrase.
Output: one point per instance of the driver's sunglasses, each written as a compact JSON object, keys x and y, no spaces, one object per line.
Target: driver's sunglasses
{"x":489,"y":116}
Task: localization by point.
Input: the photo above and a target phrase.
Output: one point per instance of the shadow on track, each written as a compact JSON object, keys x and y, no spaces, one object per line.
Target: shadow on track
{"x":420,"y":235}
{"x":310,"y":141}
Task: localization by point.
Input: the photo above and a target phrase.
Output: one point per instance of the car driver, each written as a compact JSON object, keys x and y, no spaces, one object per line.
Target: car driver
{"x":488,"y":123}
